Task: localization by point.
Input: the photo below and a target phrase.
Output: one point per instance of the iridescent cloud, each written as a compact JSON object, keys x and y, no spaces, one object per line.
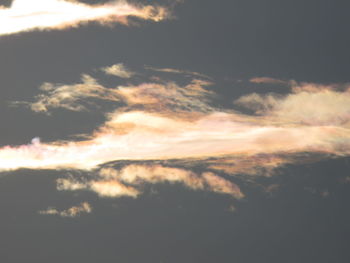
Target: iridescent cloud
{"x":128,"y":181}
{"x":24,"y":15}
{"x":163,"y":121}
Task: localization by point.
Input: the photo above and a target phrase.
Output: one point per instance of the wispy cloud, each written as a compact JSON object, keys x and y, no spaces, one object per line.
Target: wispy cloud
{"x":83,"y":208}
{"x":24,"y":15}
{"x":162,"y":121}
{"x":268,"y":80}
{"x":82,"y":96}
{"x":75,"y":97}
{"x":129,"y":180}
{"x":162,"y":127}
{"x":178,"y":71}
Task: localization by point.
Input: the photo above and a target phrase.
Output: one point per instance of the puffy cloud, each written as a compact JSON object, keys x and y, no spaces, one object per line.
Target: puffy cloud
{"x":83,"y":208}
{"x":308,"y":104}
{"x":24,"y":15}
{"x":128,"y":181}
{"x":118,"y":70}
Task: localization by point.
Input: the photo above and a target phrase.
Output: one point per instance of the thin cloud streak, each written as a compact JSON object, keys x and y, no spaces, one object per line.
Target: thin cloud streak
{"x":268,"y":80}
{"x":24,"y":15}
{"x":75,"y":97}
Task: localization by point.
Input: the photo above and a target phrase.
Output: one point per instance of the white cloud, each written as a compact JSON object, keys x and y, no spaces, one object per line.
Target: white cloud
{"x":25,"y":15}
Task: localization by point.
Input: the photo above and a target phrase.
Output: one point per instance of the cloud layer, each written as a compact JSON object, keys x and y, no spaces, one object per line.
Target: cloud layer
{"x":24,"y":15}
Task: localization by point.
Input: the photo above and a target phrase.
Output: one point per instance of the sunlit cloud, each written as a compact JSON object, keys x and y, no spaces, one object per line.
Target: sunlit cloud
{"x":119,"y":70}
{"x":162,"y":121}
{"x":178,"y":71}
{"x":164,"y":129}
{"x":83,"y":208}
{"x":309,"y":105}
{"x":75,"y":97}
{"x":129,"y":180}
{"x":82,"y":96}
{"x":24,"y":15}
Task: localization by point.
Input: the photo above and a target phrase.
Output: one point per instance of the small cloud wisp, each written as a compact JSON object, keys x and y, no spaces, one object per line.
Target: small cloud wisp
{"x":74,"y":211}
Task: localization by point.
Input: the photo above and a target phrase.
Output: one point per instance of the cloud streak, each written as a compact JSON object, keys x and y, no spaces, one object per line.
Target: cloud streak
{"x":24,"y":15}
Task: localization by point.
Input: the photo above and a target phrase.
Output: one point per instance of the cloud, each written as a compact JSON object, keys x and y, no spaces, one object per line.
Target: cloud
{"x":104,"y":188}
{"x":138,"y":135}
{"x":24,"y":15}
{"x":171,"y":133}
{"x":178,"y":71}
{"x":309,"y":105}
{"x":83,"y":208}
{"x":118,"y":70}
{"x":163,"y":121}
{"x":82,"y":96}
{"x":268,"y":80}
{"x":129,"y":180}
{"x":70,"y":97}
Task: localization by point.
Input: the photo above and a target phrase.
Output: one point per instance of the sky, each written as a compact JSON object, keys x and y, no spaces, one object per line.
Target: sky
{"x":174,"y":131}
